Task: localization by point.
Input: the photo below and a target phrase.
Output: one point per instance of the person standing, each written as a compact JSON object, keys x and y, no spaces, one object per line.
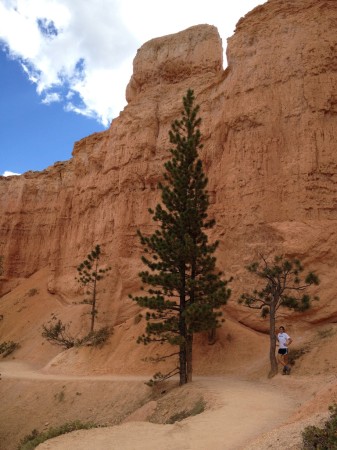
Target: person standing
{"x":284,"y":340}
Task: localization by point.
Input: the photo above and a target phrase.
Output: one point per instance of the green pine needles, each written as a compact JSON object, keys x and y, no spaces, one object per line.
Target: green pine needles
{"x":184,"y":290}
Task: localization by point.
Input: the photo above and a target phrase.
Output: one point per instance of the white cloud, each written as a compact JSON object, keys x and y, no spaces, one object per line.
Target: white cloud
{"x":52,"y":97}
{"x":7,"y":173}
{"x":70,"y":44}
{"x":80,"y":52}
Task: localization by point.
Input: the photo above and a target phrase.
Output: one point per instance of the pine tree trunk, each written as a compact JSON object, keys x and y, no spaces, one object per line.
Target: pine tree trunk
{"x":189,"y":337}
{"x":189,"y":353}
{"x":182,"y":365}
{"x":272,"y":336}
{"x":182,"y":331}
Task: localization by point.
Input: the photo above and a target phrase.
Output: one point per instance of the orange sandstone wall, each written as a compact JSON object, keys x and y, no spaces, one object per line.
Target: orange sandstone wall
{"x":269,"y":129}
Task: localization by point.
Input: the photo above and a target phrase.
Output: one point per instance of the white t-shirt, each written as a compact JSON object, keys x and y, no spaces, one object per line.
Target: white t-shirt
{"x":283,"y":338}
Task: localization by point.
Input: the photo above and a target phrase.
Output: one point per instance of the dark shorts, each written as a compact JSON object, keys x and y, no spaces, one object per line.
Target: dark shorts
{"x":283,"y":351}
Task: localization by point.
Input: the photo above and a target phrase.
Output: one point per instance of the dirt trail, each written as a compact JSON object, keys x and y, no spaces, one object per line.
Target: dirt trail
{"x":21,"y":370}
{"x":240,"y":412}
{"x":244,"y":411}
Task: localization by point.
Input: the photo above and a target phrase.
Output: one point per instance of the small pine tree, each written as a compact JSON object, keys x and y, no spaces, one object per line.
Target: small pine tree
{"x":282,"y":288}
{"x":89,"y":273}
{"x":184,"y":288}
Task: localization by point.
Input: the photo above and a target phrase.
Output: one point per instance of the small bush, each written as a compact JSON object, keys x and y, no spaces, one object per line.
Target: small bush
{"x":198,"y":408}
{"x":96,"y":338}
{"x":57,"y":334}
{"x":32,"y":292}
{"x":315,"y":438}
{"x":32,"y":440}
{"x":6,"y":348}
{"x":27,"y":439}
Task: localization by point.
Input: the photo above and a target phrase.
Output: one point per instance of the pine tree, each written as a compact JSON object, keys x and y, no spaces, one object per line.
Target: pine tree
{"x":89,"y":274}
{"x":183,"y":287}
{"x":283,"y":288}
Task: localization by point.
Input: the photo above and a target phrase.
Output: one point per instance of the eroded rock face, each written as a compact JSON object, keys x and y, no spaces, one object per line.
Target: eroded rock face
{"x":269,"y":130}
{"x":160,"y":60}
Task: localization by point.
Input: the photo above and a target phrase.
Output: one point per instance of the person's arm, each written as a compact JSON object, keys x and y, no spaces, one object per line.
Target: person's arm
{"x":289,"y":341}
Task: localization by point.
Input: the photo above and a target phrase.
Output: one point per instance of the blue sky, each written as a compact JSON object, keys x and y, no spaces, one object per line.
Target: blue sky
{"x":64,"y":67}
{"x":34,"y":135}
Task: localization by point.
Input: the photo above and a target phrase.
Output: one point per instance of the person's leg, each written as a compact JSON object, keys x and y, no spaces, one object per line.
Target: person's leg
{"x":283,"y":360}
{"x":286,"y":365}
{"x":280,"y":358}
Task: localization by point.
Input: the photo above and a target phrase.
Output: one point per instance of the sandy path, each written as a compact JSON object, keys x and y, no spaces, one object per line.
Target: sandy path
{"x":21,"y":370}
{"x":243,"y":413}
{"x":243,"y":410}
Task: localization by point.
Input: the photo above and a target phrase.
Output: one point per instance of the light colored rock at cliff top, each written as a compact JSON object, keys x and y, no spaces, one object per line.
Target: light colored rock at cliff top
{"x":173,"y":58}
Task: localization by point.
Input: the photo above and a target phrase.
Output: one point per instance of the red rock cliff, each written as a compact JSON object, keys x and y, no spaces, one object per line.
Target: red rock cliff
{"x":269,"y":129}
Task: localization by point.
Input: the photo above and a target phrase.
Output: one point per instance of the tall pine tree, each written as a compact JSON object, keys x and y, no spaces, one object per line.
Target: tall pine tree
{"x":183,"y":288}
